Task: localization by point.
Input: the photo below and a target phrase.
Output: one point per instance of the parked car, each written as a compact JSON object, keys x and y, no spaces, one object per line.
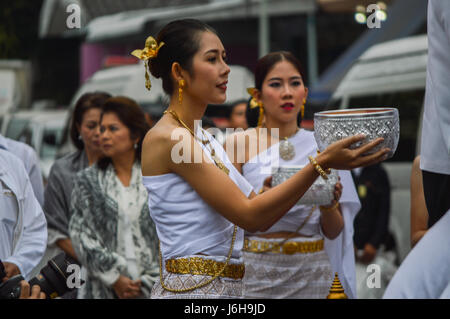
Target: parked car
{"x":43,"y":130}
{"x":392,"y":74}
{"x":15,"y":85}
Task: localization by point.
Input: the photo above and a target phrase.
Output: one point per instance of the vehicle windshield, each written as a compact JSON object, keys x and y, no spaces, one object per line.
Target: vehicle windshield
{"x":16,"y":127}
{"x":51,"y":141}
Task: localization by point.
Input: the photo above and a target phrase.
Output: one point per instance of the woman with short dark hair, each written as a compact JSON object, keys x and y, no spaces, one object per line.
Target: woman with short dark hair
{"x":111,"y":229}
{"x":85,"y":135}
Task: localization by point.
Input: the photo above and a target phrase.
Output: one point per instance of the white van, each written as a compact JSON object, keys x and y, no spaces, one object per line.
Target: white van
{"x":392,"y":74}
{"x":129,"y":80}
{"x":41,"y":129}
{"x":15,"y":85}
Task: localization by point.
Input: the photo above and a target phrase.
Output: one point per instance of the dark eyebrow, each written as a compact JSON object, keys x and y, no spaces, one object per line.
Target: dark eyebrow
{"x":109,"y":124}
{"x":213,"y":51}
{"x":292,"y":78}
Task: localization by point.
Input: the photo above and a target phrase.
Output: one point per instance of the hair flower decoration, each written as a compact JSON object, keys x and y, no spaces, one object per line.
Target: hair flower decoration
{"x":254,"y":103}
{"x":150,"y":51}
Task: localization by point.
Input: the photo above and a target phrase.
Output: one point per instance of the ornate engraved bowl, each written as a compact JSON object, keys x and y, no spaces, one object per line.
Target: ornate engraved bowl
{"x":321,"y":191}
{"x":332,"y":126}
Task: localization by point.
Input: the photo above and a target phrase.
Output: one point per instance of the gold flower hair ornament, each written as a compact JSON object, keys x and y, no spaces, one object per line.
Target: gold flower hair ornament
{"x":150,"y":51}
{"x":253,"y":103}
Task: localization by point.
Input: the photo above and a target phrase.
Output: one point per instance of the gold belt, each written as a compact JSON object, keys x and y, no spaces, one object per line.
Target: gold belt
{"x":201,"y":266}
{"x":288,"y":248}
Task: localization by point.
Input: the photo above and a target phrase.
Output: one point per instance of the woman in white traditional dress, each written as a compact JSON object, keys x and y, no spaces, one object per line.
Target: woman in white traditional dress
{"x":298,"y":256}
{"x":199,"y":202}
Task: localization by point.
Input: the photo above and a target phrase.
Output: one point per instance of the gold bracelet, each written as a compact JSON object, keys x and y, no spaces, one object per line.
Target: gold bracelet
{"x":317,"y":167}
{"x":328,"y":170}
{"x":261,"y":190}
{"x":327,"y":210}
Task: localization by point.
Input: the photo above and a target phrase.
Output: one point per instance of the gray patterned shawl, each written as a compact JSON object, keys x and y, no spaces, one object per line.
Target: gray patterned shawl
{"x":93,"y":230}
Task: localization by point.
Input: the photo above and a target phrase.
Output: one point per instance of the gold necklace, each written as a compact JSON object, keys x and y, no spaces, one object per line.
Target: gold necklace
{"x":177,"y":118}
{"x":286,"y":149}
{"x":217,"y":161}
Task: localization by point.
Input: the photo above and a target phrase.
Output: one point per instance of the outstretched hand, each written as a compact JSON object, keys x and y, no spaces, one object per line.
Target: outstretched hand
{"x":339,"y":156}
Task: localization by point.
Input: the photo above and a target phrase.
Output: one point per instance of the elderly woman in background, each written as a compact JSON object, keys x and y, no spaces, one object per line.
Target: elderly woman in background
{"x":111,"y":229}
{"x":85,"y":135}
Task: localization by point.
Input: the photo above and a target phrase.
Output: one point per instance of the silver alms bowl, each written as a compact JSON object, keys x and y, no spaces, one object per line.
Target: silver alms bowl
{"x":321,"y":191}
{"x":332,"y":126}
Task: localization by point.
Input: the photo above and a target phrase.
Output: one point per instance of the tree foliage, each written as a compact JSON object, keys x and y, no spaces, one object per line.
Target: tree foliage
{"x":19,"y":21}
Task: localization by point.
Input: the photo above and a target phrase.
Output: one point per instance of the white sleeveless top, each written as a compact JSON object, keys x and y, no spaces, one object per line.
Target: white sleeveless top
{"x":339,"y":250}
{"x":258,"y":168}
{"x":185,"y":223}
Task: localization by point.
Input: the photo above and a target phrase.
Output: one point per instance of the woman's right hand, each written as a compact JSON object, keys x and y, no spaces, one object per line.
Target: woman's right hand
{"x":339,"y":156}
{"x":126,"y":288}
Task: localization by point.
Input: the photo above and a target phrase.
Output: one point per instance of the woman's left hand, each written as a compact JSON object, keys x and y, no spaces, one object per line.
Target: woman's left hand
{"x":337,"y":191}
{"x":337,"y":194}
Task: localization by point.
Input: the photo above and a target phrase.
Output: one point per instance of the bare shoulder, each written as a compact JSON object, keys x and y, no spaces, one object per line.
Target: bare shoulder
{"x":156,"y":148}
{"x":159,"y":133}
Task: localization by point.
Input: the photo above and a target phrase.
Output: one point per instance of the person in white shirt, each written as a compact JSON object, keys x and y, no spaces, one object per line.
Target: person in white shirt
{"x":31,"y":162}
{"x":23,"y":228}
{"x":424,"y":274}
{"x":425,"y":271}
{"x":435,"y":148}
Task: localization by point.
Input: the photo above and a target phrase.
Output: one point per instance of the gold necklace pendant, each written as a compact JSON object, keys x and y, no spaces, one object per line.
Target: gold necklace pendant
{"x":286,"y":150}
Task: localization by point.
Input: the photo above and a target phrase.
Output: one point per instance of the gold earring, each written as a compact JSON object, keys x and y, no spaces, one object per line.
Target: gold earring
{"x":148,"y":84}
{"x":180,"y":91}
{"x":302,"y":109}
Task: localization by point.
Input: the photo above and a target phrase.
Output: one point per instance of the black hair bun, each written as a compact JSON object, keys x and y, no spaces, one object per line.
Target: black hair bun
{"x":252,"y":114}
{"x":154,"y":67}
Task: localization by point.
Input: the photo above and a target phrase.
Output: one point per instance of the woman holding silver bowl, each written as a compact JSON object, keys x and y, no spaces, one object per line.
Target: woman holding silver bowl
{"x":199,"y":202}
{"x":299,"y":254}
